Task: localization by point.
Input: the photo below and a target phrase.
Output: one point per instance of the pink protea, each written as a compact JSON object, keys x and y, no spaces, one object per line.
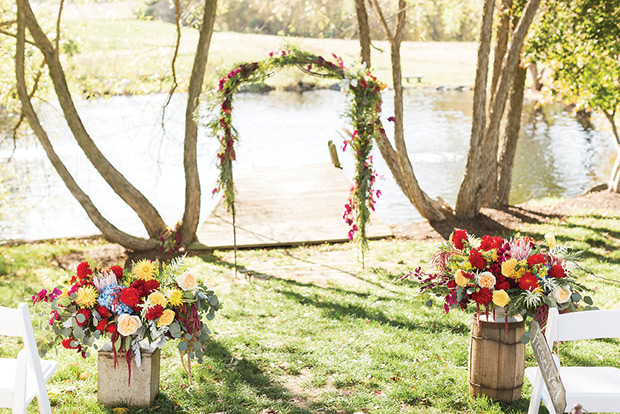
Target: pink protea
{"x":520,"y":249}
{"x":103,"y":279}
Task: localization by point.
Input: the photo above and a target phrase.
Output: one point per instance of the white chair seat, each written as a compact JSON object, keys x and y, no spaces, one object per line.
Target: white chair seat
{"x":597,"y":389}
{"x":8,"y":369}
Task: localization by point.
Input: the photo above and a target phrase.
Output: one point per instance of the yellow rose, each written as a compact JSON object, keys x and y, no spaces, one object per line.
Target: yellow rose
{"x":128,"y":324}
{"x":157,"y":298}
{"x":166,"y":318}
{"x":550,"y":240}
{"x":508,"y":268}
{"x":460,"y":278}
{"x":500,"y":298}
{"x":187,"y":281}
{"x":561,"y":294}
{"x":486,"y":280}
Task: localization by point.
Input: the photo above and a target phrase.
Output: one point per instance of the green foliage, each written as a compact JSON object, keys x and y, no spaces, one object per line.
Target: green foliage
{"x":296,"y":342}
{"x":579,"y":42}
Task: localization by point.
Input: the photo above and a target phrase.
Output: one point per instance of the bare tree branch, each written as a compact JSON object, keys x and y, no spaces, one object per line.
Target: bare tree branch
{"x":151,"y":219}
{"x":175,"y":84}
{"x":109,"y":231}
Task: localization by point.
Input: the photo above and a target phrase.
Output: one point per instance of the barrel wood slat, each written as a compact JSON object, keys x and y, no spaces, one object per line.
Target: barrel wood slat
{"x":496,"y":360}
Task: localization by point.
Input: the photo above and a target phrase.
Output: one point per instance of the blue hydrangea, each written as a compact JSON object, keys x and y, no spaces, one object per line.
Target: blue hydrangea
{"x":109,"y":297}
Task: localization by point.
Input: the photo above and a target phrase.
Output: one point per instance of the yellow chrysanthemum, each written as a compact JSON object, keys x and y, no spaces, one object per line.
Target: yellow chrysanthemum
{"x":542,"y":271}
{"x":144,"y":270}
{"x":465,"y":265}
{"x":175,"y":297}
{"x":86,"y":296}
{"x":157,"y":298}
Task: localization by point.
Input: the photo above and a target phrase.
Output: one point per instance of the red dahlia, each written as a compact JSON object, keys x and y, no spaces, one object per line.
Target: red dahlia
{"x":103,"y":312}
{"x":557,"y":271}
{"x":536,"y":259}
{"x":84,"y":271}
{"x":483,"y":297}
{"x":118,"y":272}
{"x":476,"y":259}
{"x":101,"y":325}
{"x":528,"y":282}
{"x":458,"y":239}
{"x":130,"y":297}
{"x":154,"y":312}
{"x":490,"y":242}
{"x":111,"y":328}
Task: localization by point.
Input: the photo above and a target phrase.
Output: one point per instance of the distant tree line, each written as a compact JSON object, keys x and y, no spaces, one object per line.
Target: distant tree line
{"x":436,"y":20}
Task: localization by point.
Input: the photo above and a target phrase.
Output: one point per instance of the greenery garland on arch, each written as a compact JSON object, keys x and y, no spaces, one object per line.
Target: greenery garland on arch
{"x":363,"y":111}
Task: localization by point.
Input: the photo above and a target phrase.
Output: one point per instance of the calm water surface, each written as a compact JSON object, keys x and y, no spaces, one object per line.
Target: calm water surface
{"x":555,"y":156}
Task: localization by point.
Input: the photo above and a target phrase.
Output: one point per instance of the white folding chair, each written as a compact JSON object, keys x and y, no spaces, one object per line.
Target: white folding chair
{"x":597,"y":389}
{"x":24,"y":377}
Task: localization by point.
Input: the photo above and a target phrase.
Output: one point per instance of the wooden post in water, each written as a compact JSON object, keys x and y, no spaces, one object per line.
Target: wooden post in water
{"x":334,"y":154}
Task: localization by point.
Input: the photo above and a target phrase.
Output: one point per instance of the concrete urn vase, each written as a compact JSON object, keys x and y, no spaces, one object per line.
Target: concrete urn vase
{"x":114,"y":385}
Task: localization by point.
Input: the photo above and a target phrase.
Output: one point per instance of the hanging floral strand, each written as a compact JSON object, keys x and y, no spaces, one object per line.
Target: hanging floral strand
{"x":362,"y":111}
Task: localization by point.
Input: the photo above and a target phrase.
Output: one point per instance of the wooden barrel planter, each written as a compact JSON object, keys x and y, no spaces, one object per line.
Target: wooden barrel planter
{"x":496,"y":359}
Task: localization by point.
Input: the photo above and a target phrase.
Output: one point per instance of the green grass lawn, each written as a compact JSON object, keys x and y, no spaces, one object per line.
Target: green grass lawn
{"x":320,"y":334}
{"x":119,"y":54}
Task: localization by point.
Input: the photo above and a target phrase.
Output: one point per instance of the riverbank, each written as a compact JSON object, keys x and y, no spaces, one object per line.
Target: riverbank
{"x":310,"y":331}
{"x":112,"y":52}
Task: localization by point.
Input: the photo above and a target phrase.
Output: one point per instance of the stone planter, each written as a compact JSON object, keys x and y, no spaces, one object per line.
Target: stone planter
{"x":114,"y":387}
{"x":496,"y":357}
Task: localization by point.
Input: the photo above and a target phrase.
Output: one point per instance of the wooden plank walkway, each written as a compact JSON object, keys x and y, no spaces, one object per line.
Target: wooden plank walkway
{"x":284,"y":206}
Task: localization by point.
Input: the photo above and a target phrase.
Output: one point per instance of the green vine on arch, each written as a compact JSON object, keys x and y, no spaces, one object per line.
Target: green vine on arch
{"x":363,"y":111}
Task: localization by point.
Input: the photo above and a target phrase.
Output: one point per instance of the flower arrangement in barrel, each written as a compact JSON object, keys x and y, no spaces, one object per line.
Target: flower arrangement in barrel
{"x":148,"y":302}
{"x":521,"y":275}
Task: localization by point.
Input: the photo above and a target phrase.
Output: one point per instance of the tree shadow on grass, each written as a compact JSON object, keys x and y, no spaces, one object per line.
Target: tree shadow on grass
{"x":341,"y":310}
{"x":245,"y":388}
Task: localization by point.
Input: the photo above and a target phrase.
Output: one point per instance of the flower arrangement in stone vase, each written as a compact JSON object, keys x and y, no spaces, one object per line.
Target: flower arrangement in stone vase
{"x":147,"y":304}
{"x":521,"y":276}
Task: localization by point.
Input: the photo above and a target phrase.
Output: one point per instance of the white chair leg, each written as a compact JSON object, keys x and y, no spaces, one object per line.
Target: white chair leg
{"x":536,"y":395}
{"x":19,"y":392}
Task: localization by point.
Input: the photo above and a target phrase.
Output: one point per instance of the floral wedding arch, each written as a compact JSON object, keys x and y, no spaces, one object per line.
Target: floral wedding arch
{"x":363,"y":110}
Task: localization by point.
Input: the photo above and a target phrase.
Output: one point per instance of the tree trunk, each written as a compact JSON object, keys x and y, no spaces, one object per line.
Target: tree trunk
{"x":501,"y":45}
{"x":110,"y":232}
{"x":533,"y":67}
{"x":192,"y":179}
{"x":474,"y":188}
{"x":614,"y":179}
{"x":151,"y":219}
{"x":465,"y":204}
{"x":398,"y":160}
{"x":363,"y":31}
{"x":508,"y":147}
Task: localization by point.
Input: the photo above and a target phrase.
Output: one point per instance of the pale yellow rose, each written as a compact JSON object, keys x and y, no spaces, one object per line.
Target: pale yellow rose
{"x":460,"y":278}
{"x":128,"y":324}
{"x":187,"y":281}
{"x":500,"y":298}
{"x":550,"y":240}
{"x":166,"y":318}
{"x":561,"y":294}
{"x":157,"y":298}
{"x":486,"y":280}
{"x":508,"y":268}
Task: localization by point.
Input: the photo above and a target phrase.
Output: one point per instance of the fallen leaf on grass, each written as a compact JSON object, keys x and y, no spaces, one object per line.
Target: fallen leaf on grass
{"x":120,"y":410}
{"x":83,"y":375}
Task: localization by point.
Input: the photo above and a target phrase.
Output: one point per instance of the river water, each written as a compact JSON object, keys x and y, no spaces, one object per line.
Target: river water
{"x":555,"y":156}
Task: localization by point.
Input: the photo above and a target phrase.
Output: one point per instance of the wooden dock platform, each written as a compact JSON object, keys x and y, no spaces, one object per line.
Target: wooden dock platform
{"x":286,"y":206}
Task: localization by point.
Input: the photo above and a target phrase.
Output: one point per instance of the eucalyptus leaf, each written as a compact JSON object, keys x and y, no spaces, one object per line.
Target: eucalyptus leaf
{"x":588,"y":300}
{"x":576,"y":297}
{"x":80,"y":318}
{"x":188,"y":337}
{"x":525,"y":338}
{"x":182,"y":346}
{"x":78,"y":333}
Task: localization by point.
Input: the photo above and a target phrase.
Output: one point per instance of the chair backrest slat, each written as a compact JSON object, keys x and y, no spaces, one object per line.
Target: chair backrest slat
{"x":593,"y":324}
{"x":11,"y":322}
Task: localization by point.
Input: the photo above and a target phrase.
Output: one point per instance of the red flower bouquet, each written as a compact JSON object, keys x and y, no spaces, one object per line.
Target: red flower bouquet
{"x":520,"y":275}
